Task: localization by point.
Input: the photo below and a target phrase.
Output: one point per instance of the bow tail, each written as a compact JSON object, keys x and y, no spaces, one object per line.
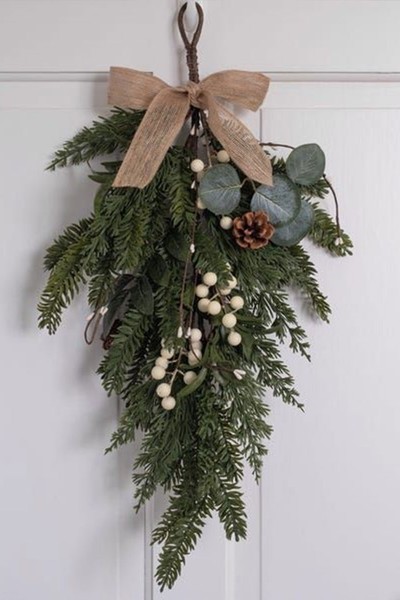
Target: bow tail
{"x":239,"y":142}
{"x":160,"y":126}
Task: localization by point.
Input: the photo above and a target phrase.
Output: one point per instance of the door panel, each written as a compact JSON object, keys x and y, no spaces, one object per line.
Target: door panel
{"x":60,"y":511}
{"x":289,"y":35}
{"x":324,"y":524}
{"x":331,"y":485}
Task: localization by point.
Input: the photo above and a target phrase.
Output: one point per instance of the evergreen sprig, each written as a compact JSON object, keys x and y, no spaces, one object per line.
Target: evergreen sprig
{"x":105,"y":136}
{"x":140,"y":253}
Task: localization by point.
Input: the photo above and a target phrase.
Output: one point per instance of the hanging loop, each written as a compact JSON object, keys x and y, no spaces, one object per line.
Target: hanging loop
{"x":191,"y":46}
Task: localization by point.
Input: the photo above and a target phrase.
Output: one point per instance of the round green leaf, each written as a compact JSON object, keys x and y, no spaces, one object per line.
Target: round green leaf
{"x":306,"y":164}
{"x":294,"y":232}
{"x":281,"y":202}
{"x":219,"y":189}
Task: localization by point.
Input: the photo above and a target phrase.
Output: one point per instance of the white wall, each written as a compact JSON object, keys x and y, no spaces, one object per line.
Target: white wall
{"x":324,"y":525}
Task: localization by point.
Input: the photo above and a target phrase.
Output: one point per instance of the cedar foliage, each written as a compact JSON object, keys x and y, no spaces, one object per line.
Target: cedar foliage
{"x":131,"y":253}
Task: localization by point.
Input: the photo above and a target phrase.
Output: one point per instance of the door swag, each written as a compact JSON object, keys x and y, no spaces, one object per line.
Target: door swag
{"x":188,"y":257}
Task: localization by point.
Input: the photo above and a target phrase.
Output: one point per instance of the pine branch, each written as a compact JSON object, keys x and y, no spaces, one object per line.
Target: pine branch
{"x":62,"y":286}
{"x":71,"y":235}
{"x":248,"y":413}
{"x":304,"y":277}
{"x":162,"y":451}
{"x":324,"y":234}
{"x":274,"y":308}
{"x":117,"y":362}
{"x":105,"y":136}
{"x":272,"y":371}
{"x":182,"y":198}
{"x":180,"y":528}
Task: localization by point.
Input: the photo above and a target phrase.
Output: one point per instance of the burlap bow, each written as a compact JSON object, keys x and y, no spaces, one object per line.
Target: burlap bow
{"x":167,"y":110}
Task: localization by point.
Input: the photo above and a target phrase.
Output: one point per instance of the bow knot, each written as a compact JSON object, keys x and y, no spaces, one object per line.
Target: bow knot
{"x":194,"y":92}
{"x":167,"y":110}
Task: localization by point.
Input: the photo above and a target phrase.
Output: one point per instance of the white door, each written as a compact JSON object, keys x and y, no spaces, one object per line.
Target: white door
{"x":325,"y":523}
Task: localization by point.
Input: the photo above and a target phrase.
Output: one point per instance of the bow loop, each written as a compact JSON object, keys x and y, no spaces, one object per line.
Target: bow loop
{"x":245,"y":88}
{"x":167,"y":109}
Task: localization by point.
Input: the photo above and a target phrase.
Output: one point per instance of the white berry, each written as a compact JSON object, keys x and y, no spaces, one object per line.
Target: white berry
{"x":158,"y":373}
{"x":225,"y":291}
{"x":197,"y":165}
{"x":168,"y":403}
{"x":223,"y":156}
{"x":232,"y":283}
{"x":189,"y":377}
{"x":194,"y":357}
{"x":167,"y":353}
{"x":234,"y":338}
{"x":163,"y":390}
{"x":210,"y":278}
{"x":201,"y":291}
{"x":196,"y":335}
{"x":162,"y":362}
{"x":226,"y":222}
{"x":229,"y":320}
{"x":200,"y":204}
{"x":214,"y":308}
{"x":237,"y":302}
{"x":196,"y":345}
{"x":203,"y":305}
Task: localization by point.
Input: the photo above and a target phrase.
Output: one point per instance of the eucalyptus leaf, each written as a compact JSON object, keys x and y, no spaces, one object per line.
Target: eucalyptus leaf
{"x":102,"y":177}
{"x":142,"y":296}
{"x":306,"y":164}
{"x":294,"y":232}
{"x":177,"y":245}
{"x":281,"y":202}
{"x":112,"y":166}
{"x":158,"y":270}
{"x":220,"y":188}
{"x":191,"y":388}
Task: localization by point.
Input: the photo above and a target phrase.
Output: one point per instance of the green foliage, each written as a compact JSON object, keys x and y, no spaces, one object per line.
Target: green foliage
{"x":63,"y":284}
{"x":72,"y":235}
{"x":141,"y":254}
{"x":306,"y":164}
{"x":220,"y":189}
{"x":105,"y":136}
{"x":324,"y":233}
{"x":293,"y":232}
{"x":281,"y":202}
{"x":127,"y":341}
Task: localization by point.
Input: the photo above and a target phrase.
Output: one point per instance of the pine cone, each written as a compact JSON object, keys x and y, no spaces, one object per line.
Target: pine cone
{"x":252,"y":230}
